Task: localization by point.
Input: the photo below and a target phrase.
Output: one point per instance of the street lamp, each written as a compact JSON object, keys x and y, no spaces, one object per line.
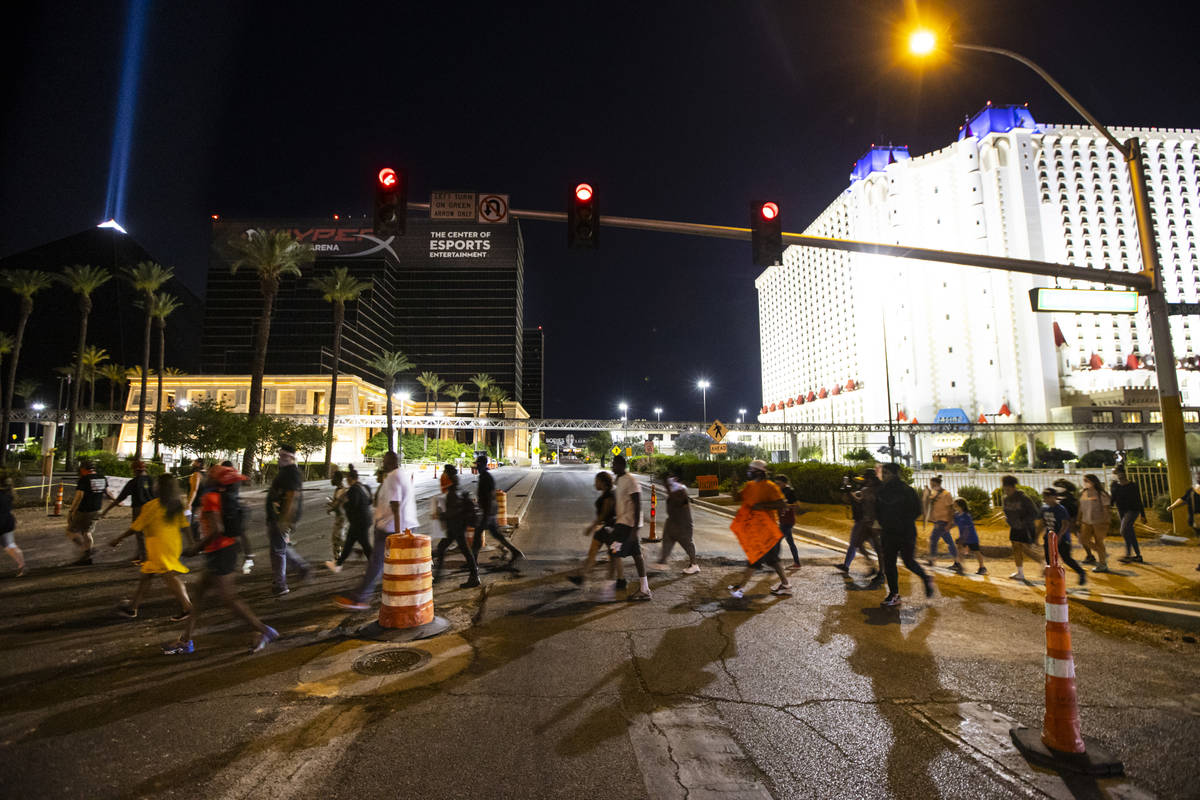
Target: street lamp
{"x":703,"y":385}
{"x":741,"y":415}
{"x":401,"y":398}
{"x":1178,"y":478}
{"x":658,"y":414}
{"x":624,"y":417}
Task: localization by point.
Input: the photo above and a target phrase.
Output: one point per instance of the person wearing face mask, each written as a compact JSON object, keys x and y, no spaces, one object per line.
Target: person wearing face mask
{"x":284,"y":504}
{"x":679,"y":525}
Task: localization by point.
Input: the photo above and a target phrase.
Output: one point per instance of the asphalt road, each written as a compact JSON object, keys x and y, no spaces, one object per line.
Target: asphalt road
{"x":538,"y":692}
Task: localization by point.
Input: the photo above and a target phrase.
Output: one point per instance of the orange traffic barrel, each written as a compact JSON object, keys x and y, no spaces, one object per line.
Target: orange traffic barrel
{"x":407,"y":582}
{"x":501,"y":507}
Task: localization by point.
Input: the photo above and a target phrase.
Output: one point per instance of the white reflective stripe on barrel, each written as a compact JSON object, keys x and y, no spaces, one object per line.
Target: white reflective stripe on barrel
{"x":407,"y":569}
{"x":408,"y":553}
{"x":1060,"y":668}
{"x":418,"y":599}
{"x":1056,"y":612}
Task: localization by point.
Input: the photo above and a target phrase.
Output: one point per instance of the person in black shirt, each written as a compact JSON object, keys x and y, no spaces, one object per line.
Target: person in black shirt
{"x":140,"y":490}
{"x":90,"y":491}
{"x":486,"y":492}
{"x":897,"y":508}
{"x":458,"y":514}
{"x":284,"y":504}
{"x":1128,"y":500}
{"x":356,"y":504}
{"x":8,"y":523}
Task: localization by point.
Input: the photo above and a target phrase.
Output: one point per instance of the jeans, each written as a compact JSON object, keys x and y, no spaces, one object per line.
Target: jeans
{"x":863,"y":532}
{"x":941,"y":530}
{"x":787,"y":535}
{"x":458,"y":535}
{"x":374,"y":572}
{"x":1064,"y":552}
{"x":493,"y":527}
{"x":904,"y":544}
{"x":283,"y":555}
{"x":1131,"y":542}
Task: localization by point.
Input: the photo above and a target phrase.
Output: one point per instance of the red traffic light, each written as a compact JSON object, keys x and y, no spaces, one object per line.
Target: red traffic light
{"x":769,"y":211}
{"x":387,"y":177}
{"x":583,"y":192}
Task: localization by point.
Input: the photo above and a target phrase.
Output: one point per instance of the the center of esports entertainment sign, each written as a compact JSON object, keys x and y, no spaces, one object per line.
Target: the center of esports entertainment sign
{"x":459,"y":244}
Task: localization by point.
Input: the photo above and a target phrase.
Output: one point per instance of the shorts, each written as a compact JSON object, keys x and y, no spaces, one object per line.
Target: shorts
{"x":221,"y":562}
{"x":1021,"y":535}
{"x":605,"y":535}
{"x":631,"y":545}
{"x":83,"y":521}
{"x":968,"y":544}
{"x":8,"y":539}
{"x":770,"y":558}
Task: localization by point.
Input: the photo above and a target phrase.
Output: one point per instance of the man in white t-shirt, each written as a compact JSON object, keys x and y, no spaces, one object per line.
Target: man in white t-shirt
{"x":395,"y":511}
{"x":628,"y":493}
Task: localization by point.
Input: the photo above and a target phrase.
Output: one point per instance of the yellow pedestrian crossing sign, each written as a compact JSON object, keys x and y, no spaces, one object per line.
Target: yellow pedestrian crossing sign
{"x":717,"y":430}
{"x":616,"y":451}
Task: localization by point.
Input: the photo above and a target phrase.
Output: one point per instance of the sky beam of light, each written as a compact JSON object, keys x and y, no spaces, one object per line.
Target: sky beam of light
{"x":131,"y":71}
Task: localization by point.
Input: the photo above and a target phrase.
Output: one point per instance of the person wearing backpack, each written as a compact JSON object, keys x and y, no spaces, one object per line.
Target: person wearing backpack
{"x":356,"y":505}
{"x":460,"y":511}
{"x":221,"y":526}
{"x":939,"y":509}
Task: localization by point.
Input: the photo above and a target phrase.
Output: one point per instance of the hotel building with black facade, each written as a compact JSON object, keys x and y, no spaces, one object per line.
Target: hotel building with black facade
{"x":448,"y":294}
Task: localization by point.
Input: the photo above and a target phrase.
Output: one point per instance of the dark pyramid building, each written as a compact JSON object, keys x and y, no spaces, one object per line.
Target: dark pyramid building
{"x":116,"y":323}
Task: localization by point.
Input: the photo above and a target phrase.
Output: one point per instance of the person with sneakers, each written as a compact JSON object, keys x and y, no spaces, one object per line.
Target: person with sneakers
{"x":8,"y":523}
{"x":939,"y":510}
{"x":457,"y":514}
{"x":678,"y":527}
{"x":159,"y":526}
{"x":600,"y":530}
{"x":1094,"y":519}
{"x":84,"y":513}
{"x":395,"y":512}
{"x":787,"y":517}
{"x":140,"y":490}
{"x":760,"y":495}
{"x":356,"y":504}
{"x":334,"y":506}
{"x":1128,"y":499}
{"x":968,"y":537}
{"x":285,"y":502}
{"x":897,"y":508}
{"x":1067,"y":499}
{"x":866,"y":526}
{"x":485,"y":492}
{"x":221,"y":528}
{"x":1056,"y":519}
{"x":1021,"y":515}
{"x":627,"y":493}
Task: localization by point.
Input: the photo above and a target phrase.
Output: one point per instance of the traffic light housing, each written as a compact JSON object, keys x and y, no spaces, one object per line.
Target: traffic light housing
{"x":583,"y":218}
{"x":391,"y":202}
{"x":766,"y":234}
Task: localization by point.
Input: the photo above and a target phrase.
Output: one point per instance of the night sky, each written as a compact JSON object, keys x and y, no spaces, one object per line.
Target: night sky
{"x":679,"y":111}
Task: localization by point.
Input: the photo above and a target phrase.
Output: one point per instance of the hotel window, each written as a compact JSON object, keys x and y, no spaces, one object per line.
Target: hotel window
{"x":1131,"y":417}
{"x":1102,"y":416}
{"x":227,"y":398}
{"x":286,"y":401}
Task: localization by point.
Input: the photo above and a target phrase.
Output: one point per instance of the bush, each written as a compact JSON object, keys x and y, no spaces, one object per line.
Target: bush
{"x":1032,"y":493}
{"x":978,"y":501}
{"x":861,"y":455}
{"x":112,"y":464}
{"x":1160,"y":507}
{"x":1093,"y":459}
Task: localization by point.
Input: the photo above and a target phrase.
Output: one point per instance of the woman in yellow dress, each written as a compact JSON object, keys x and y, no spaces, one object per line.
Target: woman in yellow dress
{"x":160,"y":522}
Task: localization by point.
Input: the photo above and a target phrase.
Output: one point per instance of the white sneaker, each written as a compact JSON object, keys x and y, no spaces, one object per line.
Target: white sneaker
{"x":661,"y":566}
{"x":1017,"y":576}
{"x":781,"y":590}
{"x":692,"y":570}
{"x":735,"y":592}
{"x":333,"y":566}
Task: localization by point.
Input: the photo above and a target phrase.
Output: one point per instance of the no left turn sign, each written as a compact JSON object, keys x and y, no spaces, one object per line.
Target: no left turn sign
{"x":493,"y":208}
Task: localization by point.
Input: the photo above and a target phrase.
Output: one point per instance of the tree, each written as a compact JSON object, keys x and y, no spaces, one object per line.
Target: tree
{"x":24,"y":283}
{"x":862,"y":454}
{"x":6,"y":347}
{"x":162,"y":305}
{"x":432,"y":385}
{"x":694,"y":442}
{"x":116,"y":375}
{"x":25,"y":389}
{"x":272,"y":255}
{"x":147,"y":278}
{"x":455,"y":391}
{"x":93,"y":358}
{"x":599,"y":444}
{"x":204,"y":429}
{"x":339,"y":288}
{"x":810,"y":452}
{"x":978,"y":448}
{"x":388,"y":364}
{"x":82,"y":279}
{"x":482,"y":381}
{"x":496,"y":394}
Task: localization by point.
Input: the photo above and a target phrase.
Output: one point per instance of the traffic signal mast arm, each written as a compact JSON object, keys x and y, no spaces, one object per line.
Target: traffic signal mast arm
{"x":1131,"y":279}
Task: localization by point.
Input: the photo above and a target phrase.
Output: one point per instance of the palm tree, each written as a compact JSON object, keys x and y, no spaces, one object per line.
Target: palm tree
{"x":147,"y":278}
{"x":455,"y":391}
{"x":93,"y":357}
{"x":496,"y":394}
{"x":24,"y":283}
{"x":389,"y":364}
{"x":482,"y":382}
{"x":339,"y":288}
{"x":6,"y":346}
{"x":116,"y":375}
{"x":25,"y":389}
{"x":432,"y":384}
{"x":271,"y":254}
{"x":162,"y":305}
{"x":82,"y":279}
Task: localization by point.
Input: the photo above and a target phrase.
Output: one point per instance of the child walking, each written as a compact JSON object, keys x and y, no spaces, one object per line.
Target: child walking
{"x":968,"y":538}
{"x":159,"y":524}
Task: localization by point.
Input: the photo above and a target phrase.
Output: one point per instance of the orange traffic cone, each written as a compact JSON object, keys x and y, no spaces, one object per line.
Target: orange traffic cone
{"x":653,"y":513}
{"x":1061,"y":745}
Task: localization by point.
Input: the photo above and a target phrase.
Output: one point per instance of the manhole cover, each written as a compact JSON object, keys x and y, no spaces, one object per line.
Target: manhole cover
{"x":391,"y":662}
